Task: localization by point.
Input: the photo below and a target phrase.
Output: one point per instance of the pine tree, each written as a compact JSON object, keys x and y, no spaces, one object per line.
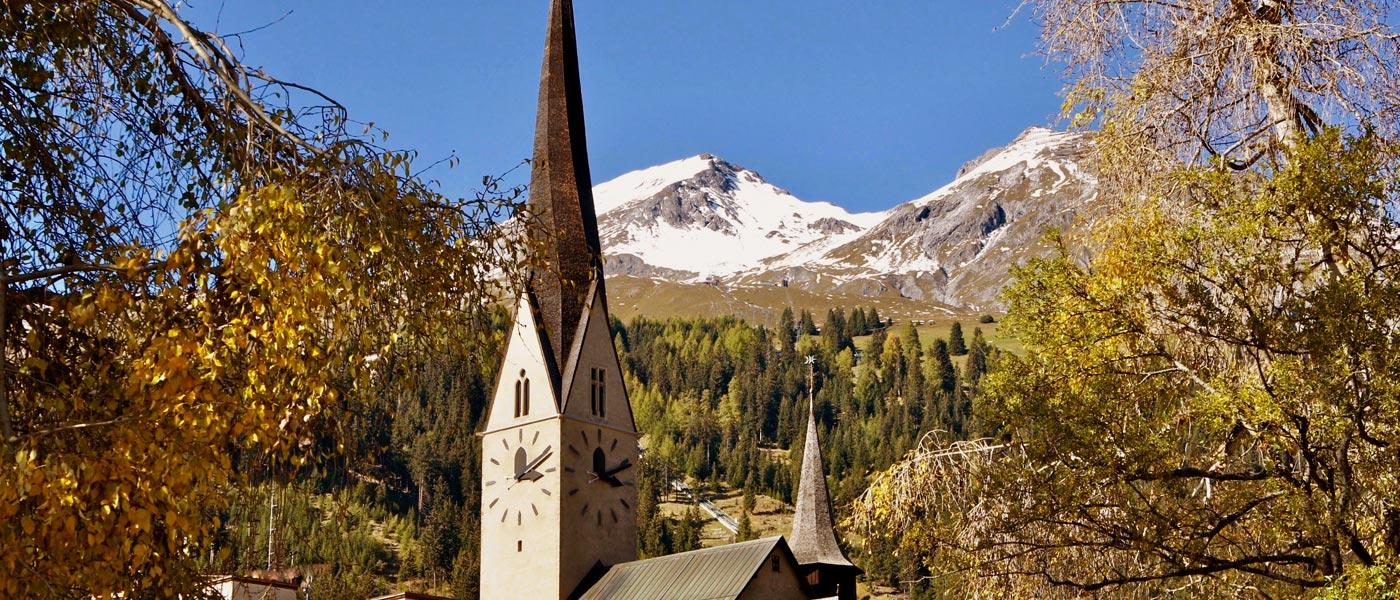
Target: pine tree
{"x":857,"y":322}
{"x":806,"y":326}
{"x":441,"y":537}
{"x":873,"y":350}
{"x":941,"y":366}
{"x":957,"y":346}
{"x":466,"y":574}
{"x":873,"y":319}
{"x":977,"y":357}
{"x":787,"y":332}
{"x":911,"y":337}
{"x":834,"y":331}
{"x":687,"y":536}
{"x":745,"y":528}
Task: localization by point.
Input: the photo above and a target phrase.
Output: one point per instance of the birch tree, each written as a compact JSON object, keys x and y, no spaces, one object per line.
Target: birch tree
{"x":198,"y":261}
{"x":1206,"y":407}
{"x":1225,"y":82}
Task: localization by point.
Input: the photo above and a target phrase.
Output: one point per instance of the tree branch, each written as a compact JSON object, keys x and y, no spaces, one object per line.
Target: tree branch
{"x":6,"y":428}
{"x":73,"y":427}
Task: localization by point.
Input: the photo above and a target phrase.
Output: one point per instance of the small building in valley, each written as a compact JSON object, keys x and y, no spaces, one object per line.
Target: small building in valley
{"x":234,"y":587}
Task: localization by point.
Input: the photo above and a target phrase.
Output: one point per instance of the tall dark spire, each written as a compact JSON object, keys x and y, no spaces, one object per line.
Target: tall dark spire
{"x":813,"y":532}
{"x":561,"y":190}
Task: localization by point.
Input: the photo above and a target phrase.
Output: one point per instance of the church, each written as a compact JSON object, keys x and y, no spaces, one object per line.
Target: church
{"x":559,"y":445}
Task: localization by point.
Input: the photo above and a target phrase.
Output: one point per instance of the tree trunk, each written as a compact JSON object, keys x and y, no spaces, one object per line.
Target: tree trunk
{"x":1269,"y":73}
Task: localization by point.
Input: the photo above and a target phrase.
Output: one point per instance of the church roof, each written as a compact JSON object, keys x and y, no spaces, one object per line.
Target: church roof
{"x":813,"y":531}
{"x":719,"y":573}
{"x":565,"y":227}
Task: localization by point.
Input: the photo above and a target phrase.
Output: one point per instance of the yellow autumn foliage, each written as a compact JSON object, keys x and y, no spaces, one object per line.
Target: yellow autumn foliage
{"x":215,"y":298}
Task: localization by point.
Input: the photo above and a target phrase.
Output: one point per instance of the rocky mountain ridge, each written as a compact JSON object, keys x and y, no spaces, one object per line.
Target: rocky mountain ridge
{"x":705,"y":221}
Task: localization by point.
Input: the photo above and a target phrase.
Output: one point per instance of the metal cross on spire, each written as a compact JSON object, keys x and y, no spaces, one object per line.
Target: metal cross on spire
{"x":811,"y":362}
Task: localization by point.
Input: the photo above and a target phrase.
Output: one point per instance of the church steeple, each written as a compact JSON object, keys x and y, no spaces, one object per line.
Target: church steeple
{"x":561,"y":191}
{"x":814,"y":543}
{"x":813,"y":531}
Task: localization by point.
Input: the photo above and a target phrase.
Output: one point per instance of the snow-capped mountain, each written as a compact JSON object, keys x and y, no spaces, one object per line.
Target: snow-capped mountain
{"x":702,"y":217}
{"x":704,"y":220}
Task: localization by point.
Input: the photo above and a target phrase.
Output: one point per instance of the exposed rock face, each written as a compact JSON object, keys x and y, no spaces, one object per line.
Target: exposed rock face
{"x":710,"y":218}
{"x":631,"y":264}
{"x":832,"y":226}
{"x":706,"y":220}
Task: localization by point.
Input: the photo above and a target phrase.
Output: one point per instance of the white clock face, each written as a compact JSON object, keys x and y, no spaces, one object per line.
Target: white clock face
{"x":602,"y":463}
{"x":513,"y":478}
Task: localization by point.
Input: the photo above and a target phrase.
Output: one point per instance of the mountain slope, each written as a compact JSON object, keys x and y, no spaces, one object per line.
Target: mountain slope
{"x":703,"y":217}
{"x":958,"y":244}
{"x":703,"y":220}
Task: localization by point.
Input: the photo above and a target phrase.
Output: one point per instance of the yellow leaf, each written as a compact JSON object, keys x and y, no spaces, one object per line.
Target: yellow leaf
{"x":36,"y":363}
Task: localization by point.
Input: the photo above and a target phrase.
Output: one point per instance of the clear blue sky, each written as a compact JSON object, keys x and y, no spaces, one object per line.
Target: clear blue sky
{"x":866,"y":104}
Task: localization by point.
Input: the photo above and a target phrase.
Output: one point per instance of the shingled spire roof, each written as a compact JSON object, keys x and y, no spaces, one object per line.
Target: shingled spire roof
{"x":813,"y":532}
{"x":561,"y":191}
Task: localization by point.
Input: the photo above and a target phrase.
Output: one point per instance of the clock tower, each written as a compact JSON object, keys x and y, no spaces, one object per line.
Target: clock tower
{"x":559,"y":447}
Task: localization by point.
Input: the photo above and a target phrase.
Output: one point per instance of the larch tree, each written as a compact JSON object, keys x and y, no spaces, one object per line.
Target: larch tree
{"x":1207,"y":406}
{"x":198,"y":263}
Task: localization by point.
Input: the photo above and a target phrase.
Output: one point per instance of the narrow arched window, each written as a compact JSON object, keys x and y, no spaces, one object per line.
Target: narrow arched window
{"x":522,"y":395}
{"x":598,"y":392}
{"x":593,"y":391}
{"x":600,"y":461}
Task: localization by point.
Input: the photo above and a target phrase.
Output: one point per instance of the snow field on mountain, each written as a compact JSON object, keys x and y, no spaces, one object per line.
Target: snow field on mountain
{"x":760,"y":219}
{"x":643,"y":183}
{"x":702,"y":219}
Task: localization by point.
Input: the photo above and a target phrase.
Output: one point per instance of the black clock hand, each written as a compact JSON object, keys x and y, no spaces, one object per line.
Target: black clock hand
{"x":548,"y":451}
{"x":529,"y":473}
{"x":610,"y":475}
{"x":626,"y":464}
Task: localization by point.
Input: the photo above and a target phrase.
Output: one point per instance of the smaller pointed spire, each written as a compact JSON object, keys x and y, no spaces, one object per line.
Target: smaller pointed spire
{"x":813,"y":529}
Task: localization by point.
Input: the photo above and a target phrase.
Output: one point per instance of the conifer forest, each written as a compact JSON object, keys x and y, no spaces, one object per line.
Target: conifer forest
{"x":713,"y":397}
